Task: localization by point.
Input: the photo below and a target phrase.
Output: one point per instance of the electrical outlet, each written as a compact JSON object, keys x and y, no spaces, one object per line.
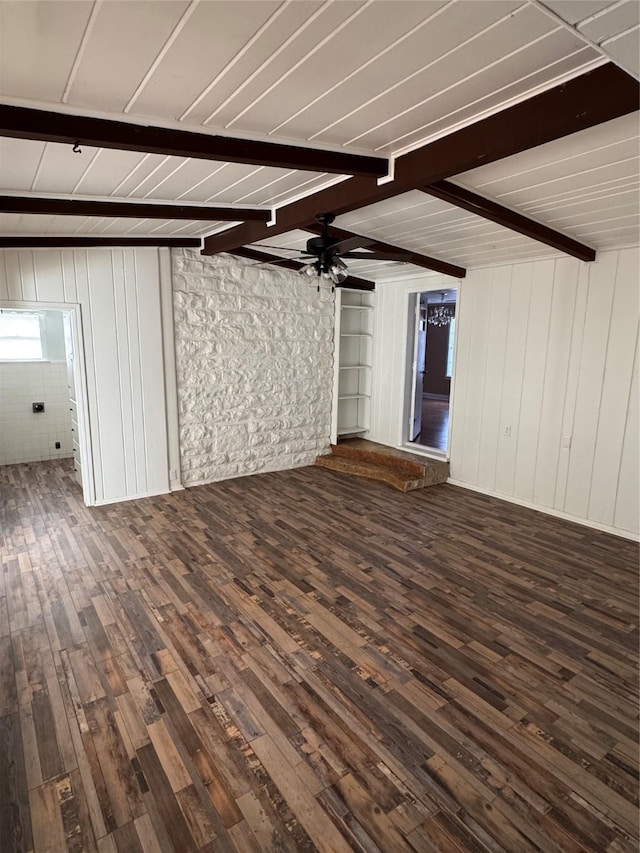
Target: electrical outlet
{"x":566,"y":440}
{"x":507,"y":429}
{"x":57,"y":445}
{"x":173,"y":474}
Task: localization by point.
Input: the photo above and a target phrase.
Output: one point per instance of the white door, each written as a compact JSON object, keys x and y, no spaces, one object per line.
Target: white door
{"x":70,"y":355}
{"x":78,"y":404}
{"x":419,"y":353}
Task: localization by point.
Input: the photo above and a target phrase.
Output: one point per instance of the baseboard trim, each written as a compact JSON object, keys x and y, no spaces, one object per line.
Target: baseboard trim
{"x":48,"y":458}
{"x":137,"y":497}
{"x":556,"y":513}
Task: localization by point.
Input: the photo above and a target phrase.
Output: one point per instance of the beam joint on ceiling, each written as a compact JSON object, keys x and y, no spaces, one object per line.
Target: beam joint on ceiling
{"x":409,"y":257}
{"x":289,"y":264}
{"x":98,"y":242}
{"x":488,"y":209}
{"x":68,"y":129}
{"x":588,"y":100}
{"x":128,"y":209}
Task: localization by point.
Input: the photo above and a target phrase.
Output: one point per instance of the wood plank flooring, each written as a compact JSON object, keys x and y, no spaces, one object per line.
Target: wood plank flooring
{"x":299,"y":661}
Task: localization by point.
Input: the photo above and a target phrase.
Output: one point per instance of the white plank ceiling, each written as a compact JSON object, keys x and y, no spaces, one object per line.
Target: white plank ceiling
{"x":367,"y":76}
{"x":612,"y":25}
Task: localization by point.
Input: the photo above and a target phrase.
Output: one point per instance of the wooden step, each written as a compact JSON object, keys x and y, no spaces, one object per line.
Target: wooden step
{"x":402,"y":470}
{"x":353,"y":450}
{"x":371,"y":470}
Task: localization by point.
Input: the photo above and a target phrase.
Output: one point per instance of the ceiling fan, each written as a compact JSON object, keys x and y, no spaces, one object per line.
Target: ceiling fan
{"x":325,"y":253}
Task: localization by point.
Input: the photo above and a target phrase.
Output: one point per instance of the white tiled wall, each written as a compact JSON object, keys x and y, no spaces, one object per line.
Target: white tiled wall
{"x":25,"y":436}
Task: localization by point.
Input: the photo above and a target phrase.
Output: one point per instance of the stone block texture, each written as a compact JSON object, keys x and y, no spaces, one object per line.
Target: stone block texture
{"x":254,"y":359}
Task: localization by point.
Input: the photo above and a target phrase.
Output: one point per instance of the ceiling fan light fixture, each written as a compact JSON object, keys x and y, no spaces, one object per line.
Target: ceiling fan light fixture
{"x":338,"y":271}
{"x":309,"y":269}
{"x":329,"y":251}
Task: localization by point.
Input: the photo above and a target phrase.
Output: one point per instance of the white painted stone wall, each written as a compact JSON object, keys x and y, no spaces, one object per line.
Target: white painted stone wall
{"x":254,"y":358}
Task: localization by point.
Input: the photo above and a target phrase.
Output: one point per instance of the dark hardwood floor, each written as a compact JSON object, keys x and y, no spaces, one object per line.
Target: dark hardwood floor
{"x":297,"y":661}
{"x":435,"y":424}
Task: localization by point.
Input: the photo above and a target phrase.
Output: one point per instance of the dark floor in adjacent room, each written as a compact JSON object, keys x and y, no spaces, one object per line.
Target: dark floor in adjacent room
{"x":434,"y":431}
{"x":298,"y":661}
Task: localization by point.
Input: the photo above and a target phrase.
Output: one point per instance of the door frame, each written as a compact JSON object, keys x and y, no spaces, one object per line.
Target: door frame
{"x":408,"y":367}
{"x":80,"y":380}
{"x":416,"y":302}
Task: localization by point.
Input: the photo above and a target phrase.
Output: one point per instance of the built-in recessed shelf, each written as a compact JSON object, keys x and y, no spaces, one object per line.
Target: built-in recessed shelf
{"x":352,"y":364}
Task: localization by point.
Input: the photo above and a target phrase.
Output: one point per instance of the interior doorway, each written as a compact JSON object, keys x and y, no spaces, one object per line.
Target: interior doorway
{"x":43,"y":399}
{"x":431,"y":350}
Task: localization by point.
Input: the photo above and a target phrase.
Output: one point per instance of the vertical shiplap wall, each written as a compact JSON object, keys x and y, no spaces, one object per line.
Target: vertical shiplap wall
{"x":545,"y":407}
{"x":119,"y":293}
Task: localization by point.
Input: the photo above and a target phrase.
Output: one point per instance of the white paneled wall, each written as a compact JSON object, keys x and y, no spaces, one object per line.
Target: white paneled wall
{"x":119,"y":293}
{"x":545,"y":408}
{"x":545,"y":391}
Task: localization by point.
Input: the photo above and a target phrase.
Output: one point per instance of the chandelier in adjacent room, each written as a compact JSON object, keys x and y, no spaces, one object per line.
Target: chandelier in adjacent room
{"x":439,"y":315}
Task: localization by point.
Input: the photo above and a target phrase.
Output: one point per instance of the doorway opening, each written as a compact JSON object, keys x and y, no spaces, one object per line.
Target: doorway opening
{"x":431,"y":347}
{"x":42,"y":388}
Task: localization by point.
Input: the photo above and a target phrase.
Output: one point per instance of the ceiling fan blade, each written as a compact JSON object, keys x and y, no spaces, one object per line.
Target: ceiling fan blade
{"x":374,"y":256}
{"x":278,"y":261}
{"x":351,"y":243}
{"x":270,"y":246}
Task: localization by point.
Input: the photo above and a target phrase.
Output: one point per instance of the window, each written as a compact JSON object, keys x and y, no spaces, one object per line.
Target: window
{"x":21,"y":337}
{"x":452,"y":334}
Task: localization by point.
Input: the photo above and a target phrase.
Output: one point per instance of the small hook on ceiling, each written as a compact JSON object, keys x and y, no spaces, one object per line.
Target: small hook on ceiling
{"x":76,"y":148}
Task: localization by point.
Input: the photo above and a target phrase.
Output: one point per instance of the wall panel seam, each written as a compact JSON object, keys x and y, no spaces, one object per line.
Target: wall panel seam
{"x":544,"y":375}
{"x":139,"y":344}
{"x":604,"y":375}
{"x":568,"y":390}
{"x":634,"y":377}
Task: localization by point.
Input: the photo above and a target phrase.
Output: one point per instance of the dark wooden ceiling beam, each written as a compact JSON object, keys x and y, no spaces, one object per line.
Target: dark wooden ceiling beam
{"x":277,"y":260}
{"x":98,"y":242}
{"x":598,"y":96}
{"x":474,"y":203}
{"x":127,"y":209}
{"x":409,"y":257}
{"x":47,"y":126}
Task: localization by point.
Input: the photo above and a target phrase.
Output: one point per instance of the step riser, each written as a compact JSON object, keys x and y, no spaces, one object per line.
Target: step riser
{"x":411,"y":468}
{"x":383,"y":475}
{"x":435,"y":471}
{"x":375,"y":462}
